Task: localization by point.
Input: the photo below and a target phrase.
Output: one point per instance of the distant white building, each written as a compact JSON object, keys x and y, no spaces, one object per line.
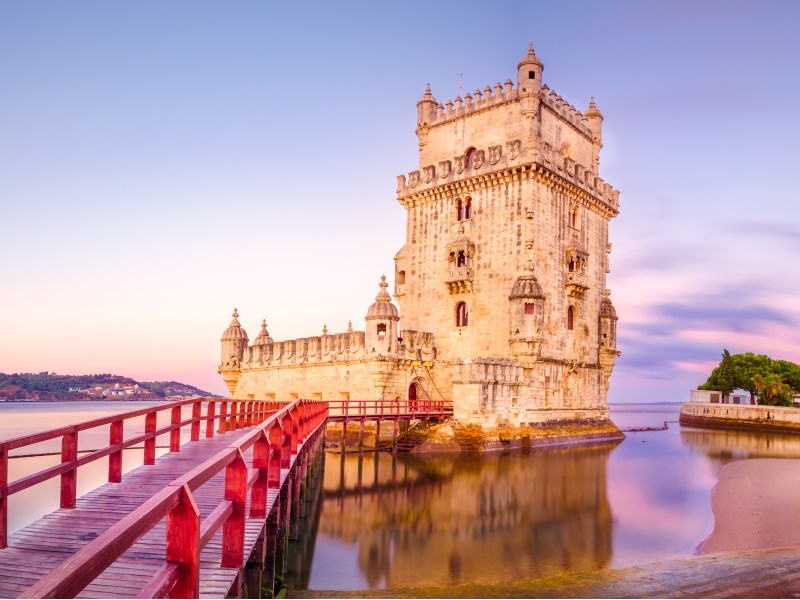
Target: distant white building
{"x":715,"y":397}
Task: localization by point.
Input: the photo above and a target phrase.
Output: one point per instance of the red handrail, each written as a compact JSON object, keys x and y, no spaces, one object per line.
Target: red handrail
{"x":371,"y":409}
{"x":70,"y":461}
{"x":273,"y":440}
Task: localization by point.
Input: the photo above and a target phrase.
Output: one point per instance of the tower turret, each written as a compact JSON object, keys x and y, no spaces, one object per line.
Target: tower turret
{"x":529,"y":83}
{"x":529,"y":73}
{"x":607,"y":333}
{"x":594,"y":121}
{"x":426,"y":113}
{"x":527,"y":317}
{"x":382,"y":322}
{"x":234,"y":341}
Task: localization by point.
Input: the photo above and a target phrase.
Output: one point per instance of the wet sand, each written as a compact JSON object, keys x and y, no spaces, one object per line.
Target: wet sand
{"x":756,"y":504}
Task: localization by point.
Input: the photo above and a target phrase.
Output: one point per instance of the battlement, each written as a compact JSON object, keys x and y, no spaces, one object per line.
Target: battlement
{"x":336,"y":347}
{"x":564,"y":109}
{"x":501,"y":164}
{"x":500,"y":95}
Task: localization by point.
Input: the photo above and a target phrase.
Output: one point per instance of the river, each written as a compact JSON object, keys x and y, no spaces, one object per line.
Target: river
{"x":384,"y":521}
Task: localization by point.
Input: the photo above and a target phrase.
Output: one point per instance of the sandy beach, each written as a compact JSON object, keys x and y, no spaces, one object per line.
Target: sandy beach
{"x":755,"y":505}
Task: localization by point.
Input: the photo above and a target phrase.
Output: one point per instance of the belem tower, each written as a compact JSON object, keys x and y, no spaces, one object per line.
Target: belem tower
{"x":500,"y":299}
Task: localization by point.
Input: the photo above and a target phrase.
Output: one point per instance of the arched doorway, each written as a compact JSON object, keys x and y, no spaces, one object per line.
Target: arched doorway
{"x":412,"y":397}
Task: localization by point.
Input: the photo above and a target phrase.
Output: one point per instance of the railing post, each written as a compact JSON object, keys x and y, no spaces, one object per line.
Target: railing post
{"x":196,"y":407}
{"x":258,"y":494}
{"x":183,"y":546}
{"x":295,"y":429}
{"x":223,"y":417}
{"x":69,"y":479}
{"x":243,"y":414}
{"x":286,"y":442}
{"x":150,"y":443}
{"x":115,"y":458}
{"x":175,"y":434}
{"x":210,"y":411}
{"x":233,"y":528}
{"x":234,"y":416}
{"x":275,"y":445}
{"x":3,"y":496}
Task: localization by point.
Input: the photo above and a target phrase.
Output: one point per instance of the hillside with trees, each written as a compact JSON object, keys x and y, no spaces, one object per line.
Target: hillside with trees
{"x":46,"y":386}
{"x":772,"y":381}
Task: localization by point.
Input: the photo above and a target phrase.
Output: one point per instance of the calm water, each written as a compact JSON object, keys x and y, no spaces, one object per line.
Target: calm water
{"x":386,"y":521}
{"x":423,"y":522}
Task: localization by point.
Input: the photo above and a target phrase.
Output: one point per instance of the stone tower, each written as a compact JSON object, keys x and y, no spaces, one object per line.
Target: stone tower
{"x":501,"y":281}
{"x":505,"y":254}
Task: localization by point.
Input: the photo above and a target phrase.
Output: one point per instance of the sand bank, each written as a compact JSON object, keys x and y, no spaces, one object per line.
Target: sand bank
{"x":756,"y":504}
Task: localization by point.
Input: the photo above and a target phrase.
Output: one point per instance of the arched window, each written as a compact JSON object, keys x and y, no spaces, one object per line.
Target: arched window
{"x":572,"y":216}
{"x":462,"y":259}
{"x":381,"y":329}
{"x":529,"y":308}
{"x":570,"y":318}
{"x":468,"y":158}
{"x":459,"y":210}
{"x":461,"y":314}
{"x":468,"y":208}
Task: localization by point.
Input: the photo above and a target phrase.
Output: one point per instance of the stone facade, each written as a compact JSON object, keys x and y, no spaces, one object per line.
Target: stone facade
{"x":501,"y":280}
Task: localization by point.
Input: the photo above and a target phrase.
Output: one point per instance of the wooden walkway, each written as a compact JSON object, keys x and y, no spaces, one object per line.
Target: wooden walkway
{"x":38,"y":548}
{"x":187,"y":524}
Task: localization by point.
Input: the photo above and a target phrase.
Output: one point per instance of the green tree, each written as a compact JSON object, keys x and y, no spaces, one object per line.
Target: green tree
{"x":727,"y":377}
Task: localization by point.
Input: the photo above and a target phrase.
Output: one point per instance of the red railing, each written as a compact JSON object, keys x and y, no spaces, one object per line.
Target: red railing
{"x":274,"y":442}
{"x":232,"y":415}
{"x":339,"y":410}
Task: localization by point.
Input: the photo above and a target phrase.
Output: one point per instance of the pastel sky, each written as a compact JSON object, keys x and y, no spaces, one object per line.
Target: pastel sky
{"x":163,"y":162}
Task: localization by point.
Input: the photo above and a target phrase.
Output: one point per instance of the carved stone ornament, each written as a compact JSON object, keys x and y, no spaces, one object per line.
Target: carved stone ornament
{"x":413,"y":178}
{"x":445,"y":167}
{"x":478,"y":159}
{"x":514,"y":148}
{"x":460,"y":164}
{"x":428,"y":173}
{"x":401,"y":182}
{"x":494,"y":154}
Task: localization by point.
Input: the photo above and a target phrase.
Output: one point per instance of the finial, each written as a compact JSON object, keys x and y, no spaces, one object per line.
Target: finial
{"x":461,"y":229}
{"x":529,"y":266}
{"x":530,"y":48}
{"x":324,"y":330}
{"x":427,"y":88}
{"x":235,"y":313}
{"x":263,"y":324}
{"x":591,"y":102}
{"x":383,"y":295}
{"x":349,"y":327}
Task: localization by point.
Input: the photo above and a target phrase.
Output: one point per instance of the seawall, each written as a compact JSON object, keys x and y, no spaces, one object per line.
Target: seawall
{"x":735,"y":416}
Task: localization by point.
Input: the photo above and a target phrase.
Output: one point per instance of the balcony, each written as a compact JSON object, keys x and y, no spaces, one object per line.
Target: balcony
{"x":576,"y":284}
{"x":458,"y":279}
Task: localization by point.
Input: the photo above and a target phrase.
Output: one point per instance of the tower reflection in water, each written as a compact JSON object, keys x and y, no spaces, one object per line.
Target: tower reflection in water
{"x":400,"y":521}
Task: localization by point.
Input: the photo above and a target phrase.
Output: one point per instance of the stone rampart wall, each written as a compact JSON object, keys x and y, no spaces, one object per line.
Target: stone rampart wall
{"x":734,"y":416}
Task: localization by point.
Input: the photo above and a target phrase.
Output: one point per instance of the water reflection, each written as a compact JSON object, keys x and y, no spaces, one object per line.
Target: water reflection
{"x":396,"y":521}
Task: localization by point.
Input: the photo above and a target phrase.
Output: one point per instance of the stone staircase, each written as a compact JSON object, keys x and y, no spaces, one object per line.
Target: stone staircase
{"x":417,"y":433}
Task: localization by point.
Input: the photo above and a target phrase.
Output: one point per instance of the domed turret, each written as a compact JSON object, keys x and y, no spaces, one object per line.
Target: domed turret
{"x":263,"y":335}
{"x":234,"y":330}
{"x":594,"y":121}
{"x":383,"y":308}
{"x":529,"y":72}
{"x":607,"y":333}
{"x":382,"y":322}
{"x":526,"y":311}
{"x":426,"y":107}
{"x":234,"y":342}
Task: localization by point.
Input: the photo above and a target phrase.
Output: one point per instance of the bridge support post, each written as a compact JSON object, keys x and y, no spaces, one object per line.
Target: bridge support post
{"x":270,"y":551}
{"x":294,"y":512}
{"x":361,"y":436}
{"x":377,"y":435}
{"x":283,"y":529}
{"x":394,"y":436}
